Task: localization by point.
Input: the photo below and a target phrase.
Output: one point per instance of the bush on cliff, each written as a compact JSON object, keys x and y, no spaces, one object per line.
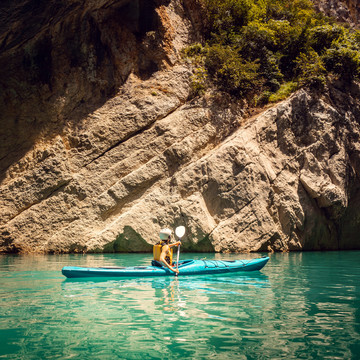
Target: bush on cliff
{"x":230,"y":70}
{"x":269,"y":48}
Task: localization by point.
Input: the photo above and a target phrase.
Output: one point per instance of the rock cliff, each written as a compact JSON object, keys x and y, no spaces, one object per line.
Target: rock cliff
{"x":343,"y":10}
{"x":102,"y":145}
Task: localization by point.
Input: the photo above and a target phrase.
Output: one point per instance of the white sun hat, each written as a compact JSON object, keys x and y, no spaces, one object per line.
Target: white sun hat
{"x":165,"y":233}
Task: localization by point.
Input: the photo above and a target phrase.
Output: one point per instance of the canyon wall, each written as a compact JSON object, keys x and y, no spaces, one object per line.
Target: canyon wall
{"x":102,"y":143}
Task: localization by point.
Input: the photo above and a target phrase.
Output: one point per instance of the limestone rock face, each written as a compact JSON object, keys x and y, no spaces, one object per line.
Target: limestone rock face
{"x":108,"y":148}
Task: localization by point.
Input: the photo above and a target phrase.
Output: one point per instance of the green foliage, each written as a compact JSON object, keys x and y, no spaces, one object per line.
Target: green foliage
{"x":227,"y":17}
{"x":195,"y":52}
{"x":272,"y":47}
{"x":263,"y":98}
{"x":343,"y":60}
{"x":322,"y":37}
{"x":198,"y":81}
{"x":229,"y":70}
{"x":270,"y":70}
{"x":284,"y":91}
{"x":310,"y":68}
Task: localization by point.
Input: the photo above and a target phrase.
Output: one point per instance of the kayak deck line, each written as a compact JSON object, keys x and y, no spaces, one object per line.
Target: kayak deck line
{"x":186,"y":267}
{"x":224,"y":262}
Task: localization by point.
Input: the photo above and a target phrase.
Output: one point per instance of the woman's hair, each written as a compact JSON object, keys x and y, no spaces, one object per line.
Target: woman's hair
{"x":167,"y":241}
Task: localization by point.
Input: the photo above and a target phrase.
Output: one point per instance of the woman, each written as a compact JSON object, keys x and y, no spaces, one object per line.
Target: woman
{"x":166,"y":254}
{"x":163,"y":251}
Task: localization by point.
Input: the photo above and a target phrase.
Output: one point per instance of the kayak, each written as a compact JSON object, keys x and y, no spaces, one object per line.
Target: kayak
{"x":186,"y":267}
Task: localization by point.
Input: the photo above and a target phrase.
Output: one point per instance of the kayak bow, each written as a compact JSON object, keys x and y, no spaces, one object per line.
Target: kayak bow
{"x":186,"y":267}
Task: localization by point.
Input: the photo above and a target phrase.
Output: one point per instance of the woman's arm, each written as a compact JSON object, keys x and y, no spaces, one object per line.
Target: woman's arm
{"x":175,"y":244}
{"x":168,"y":266}
{"x":162,"y":259}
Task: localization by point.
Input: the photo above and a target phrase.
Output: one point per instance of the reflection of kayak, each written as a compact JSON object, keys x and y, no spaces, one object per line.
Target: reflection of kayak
{"x":186,"y":267}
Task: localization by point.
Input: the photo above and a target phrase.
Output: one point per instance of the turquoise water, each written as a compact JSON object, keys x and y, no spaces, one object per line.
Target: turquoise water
{"x":300,"y":306}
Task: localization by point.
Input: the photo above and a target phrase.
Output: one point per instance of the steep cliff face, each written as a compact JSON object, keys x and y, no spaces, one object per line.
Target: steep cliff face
{"x":62,"y":60}
{"x":101,"y":146}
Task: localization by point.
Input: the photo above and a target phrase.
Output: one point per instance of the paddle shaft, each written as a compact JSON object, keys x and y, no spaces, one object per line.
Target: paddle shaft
{"x":179,"y":232}
{"x":178,"y":256}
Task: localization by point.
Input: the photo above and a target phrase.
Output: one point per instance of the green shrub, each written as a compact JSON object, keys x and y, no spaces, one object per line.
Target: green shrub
{"x":230,"y":71}
{"x":269,"y":68}
{"x":198,"y":81}
{"x":343,"y":60}
{"x":273,"y":85}
{"x":285,"y":90}
{"x":272,"y":47}
{"x":310,"y":68}
{"x":322,"y":37}
{"x":228,"y":16}
{"x":263,"y":98}
{"x":194,"y":52}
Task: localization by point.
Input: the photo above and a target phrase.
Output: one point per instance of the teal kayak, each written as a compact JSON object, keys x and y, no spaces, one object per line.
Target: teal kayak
{"x":186,"y":267}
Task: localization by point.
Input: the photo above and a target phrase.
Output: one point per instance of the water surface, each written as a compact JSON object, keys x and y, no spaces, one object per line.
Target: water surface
{"x":300,"y":306}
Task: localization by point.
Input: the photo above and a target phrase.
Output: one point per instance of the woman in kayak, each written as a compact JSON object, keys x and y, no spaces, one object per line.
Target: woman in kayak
{"x":166,"y":249}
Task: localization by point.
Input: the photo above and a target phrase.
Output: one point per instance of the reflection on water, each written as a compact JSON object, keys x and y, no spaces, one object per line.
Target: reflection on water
{"x":303,"y":305}
{"x":168,"y":293}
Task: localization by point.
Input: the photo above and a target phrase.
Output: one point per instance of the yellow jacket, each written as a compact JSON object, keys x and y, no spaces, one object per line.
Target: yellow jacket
{"x":157,"y":252}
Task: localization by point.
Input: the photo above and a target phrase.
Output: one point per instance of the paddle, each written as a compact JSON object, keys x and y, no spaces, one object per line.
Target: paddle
{"x":180,"y":232}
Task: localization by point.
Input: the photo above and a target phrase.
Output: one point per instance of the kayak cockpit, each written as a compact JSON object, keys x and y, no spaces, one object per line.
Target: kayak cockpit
{"x":182,"y":263}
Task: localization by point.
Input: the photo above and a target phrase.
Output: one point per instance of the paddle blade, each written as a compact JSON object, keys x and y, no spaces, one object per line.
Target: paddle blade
{"x":180,"y":231}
